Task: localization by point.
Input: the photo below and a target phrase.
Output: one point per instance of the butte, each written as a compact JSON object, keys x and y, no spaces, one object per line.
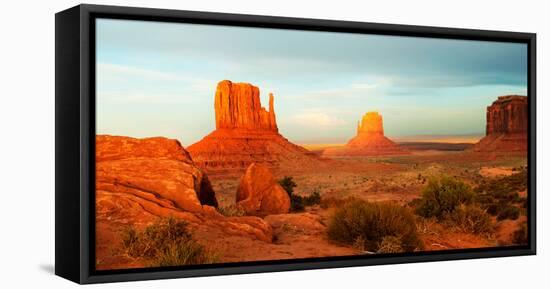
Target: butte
{"x":246,"y":133}
{"x":369,"y":141}
{"x":506,"y":129}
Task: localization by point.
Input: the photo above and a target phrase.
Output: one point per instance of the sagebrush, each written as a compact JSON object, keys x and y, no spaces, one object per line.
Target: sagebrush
{"x":166,"y":242}
{"x":384,"y":227}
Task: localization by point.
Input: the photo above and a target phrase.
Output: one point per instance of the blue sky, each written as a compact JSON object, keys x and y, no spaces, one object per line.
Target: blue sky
{"x":159,"y":79}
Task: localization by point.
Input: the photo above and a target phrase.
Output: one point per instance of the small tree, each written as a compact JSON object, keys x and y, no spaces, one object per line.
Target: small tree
{"x":288,"y":184}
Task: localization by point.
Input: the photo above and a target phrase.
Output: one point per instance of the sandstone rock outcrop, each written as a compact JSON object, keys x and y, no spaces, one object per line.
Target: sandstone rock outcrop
{"x":506,"y":127}
{"x":140,"y":180}
{"x":245,"y":133}
{"x":156,"y":169}
{"x":369,"y":141}
{"x":259,"y":194}
{"x":237,"y":105}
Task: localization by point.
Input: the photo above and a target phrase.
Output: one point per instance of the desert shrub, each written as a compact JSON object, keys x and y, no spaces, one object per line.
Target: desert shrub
{"x":166,"y":242}
{"x":370,"y":223}
{"x":298,"y":203}
{"x":509,"y":212}
{"x":498,"y":194}
{"x":232,"y":211}
{"x":130,"y":241}
{"x":313,"y":199}
{"x":442,"y":196}
{"x":390,"y":244}
{"x":288,"y":184}
{"x":521,"y":235}
{"x":469,"y":218}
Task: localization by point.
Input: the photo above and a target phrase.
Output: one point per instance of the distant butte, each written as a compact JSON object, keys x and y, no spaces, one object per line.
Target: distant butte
{"x":369,"y":141}
{"x":245,"y":133}
{"x":506,"y":128}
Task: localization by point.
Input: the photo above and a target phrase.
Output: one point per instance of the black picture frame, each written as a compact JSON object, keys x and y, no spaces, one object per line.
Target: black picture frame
{"x":75,"y":135}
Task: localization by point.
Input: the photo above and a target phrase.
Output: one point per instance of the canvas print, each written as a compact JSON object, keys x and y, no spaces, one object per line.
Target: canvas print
{"x":223,"y":144}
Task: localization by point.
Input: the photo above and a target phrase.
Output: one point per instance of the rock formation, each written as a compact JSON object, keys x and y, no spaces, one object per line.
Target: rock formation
{"x":369,"y":141}
{"x":140,"y":180}
{"x":506,"y":128}
{"x":159,"y":165}
{"x":237,"y":106}
{"x":259,"y":194}
{"x":245,"y":133}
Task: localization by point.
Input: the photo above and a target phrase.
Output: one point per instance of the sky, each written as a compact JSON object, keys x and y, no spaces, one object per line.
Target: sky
{"x":159,"y":79}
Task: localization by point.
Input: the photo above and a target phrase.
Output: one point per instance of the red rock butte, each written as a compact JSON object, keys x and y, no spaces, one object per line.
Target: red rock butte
{"x":506,"y":128}
{"x":245,"y":133}
{"x":369,"y":141}
{"x":237,"y":105}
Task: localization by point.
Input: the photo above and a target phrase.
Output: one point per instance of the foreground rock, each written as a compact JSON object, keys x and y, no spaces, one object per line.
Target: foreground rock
{"x":369,"y":141}
{"x":156,"y":169}
{"x":259,"y":193}
{"x":245,"y":133}
{"x":140,"y":180}
{"x":506,"y":128}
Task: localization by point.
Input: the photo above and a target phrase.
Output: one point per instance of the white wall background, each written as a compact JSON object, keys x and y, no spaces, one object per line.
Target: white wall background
{"x":27,"y":144}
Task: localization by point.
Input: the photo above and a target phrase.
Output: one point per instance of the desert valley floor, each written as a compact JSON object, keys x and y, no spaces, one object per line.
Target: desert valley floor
{"x":302,"y":234}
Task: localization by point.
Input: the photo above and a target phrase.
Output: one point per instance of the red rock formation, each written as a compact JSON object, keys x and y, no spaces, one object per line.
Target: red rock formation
{"x":237,"y":105}
{"x":259,"y":194}
{"x":371,"y":124}
{"x":369,"y":141}
{"x":140,"y":180}
{"x":245,"y":133}
{"x":506,"y":128}
{"x":159,"y":165}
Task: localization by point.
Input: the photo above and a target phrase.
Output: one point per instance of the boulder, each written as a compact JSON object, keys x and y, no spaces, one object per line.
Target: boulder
{"x":259,"y":194}
{"x":158,"y":169}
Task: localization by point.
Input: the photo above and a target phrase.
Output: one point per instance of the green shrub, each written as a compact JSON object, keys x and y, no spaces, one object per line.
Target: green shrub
{"x":521,"y":235}
{"x":313,"y":199}
{"x":297,"y":202}
{"x":509,"y":212}
{"x":442,"y":196}
{"x":470,"y":218}
{"x":371,"y":223}
{"x":288,"y":184}
{"x":167,"y":242}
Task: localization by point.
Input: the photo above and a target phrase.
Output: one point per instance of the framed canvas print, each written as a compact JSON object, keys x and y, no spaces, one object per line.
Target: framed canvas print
{"x":193,"y":144}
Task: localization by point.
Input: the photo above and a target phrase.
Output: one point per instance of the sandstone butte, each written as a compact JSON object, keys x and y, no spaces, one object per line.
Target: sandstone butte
{"x":140,"y":180}
{"x":259,"y":194}
{"x":245,"y":133}
{"x":369,"y":141}
{"x":506,"y":128}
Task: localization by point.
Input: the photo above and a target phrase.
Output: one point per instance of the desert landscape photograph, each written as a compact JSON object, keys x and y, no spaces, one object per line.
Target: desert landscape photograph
{"x":223,"y":144}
